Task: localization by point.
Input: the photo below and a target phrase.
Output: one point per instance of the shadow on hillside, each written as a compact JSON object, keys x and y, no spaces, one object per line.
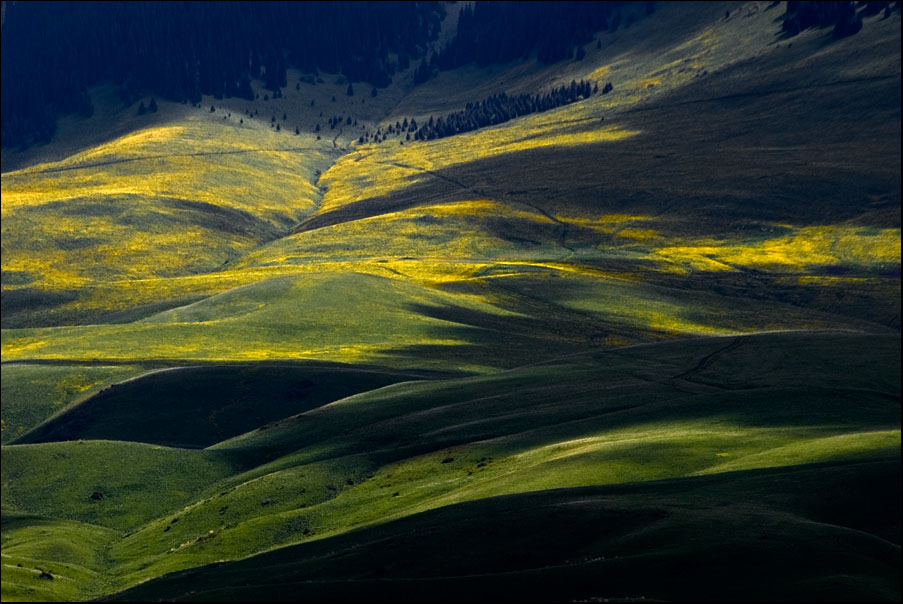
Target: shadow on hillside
{"x":684,"y":539}
{"x":197,"y":406}
{"x":721,"y":152}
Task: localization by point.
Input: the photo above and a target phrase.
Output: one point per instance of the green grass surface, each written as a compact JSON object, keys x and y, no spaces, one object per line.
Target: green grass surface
{"x":116,"y":484}
{"x":630,"y":415}
{"x":69,"y":552}
{"x":711,"y":539}
{"x":326,"y":316}
{"x":563,"y":358}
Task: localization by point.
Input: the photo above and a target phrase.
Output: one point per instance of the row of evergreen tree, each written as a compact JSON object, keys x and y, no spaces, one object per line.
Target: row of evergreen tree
{"x":500,"y":108}
{"x":495,"y":109}
{"x":53,"y":51}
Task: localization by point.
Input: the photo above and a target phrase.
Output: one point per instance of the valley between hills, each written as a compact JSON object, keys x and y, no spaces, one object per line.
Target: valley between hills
{"x":641,"y":346}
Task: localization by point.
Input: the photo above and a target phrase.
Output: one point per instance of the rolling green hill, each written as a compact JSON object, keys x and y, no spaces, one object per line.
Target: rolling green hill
{"x":650,"y":541}
{"x":710,"y":406}
{"x":643,"y":346}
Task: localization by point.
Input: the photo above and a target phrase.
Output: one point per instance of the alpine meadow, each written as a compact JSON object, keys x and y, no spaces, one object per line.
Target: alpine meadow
{"x":451,"y":301}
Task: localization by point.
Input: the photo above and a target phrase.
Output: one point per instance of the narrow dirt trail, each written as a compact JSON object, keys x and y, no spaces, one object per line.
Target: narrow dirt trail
{"x":562,"y":239}
{"x":708,"y":359}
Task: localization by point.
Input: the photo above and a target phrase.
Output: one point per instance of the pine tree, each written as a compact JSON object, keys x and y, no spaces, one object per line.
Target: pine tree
{"x":153,"y":106}
{"x":350,"y":90}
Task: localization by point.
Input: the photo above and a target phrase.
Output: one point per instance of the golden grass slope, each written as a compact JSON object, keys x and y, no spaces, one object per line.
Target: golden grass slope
{"x":163,"y":201}
{"x":200,"y":205}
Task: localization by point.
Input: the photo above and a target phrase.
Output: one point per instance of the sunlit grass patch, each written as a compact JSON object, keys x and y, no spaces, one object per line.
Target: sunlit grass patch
{"x":114,"y":484}
{"x":68,"y":550}
{"x":158,"y":202}
{"x":376,"y":170}
{"x":433,"y":232}
{"x":803,"y":248}
{"x":294,"y":317}
{"x":168,"y":138}
{"x":599,"y":72}
{"x":855,"y":445}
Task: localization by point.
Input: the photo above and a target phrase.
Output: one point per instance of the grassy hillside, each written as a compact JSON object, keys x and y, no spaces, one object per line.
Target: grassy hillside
{"x":200,"y":406}
{"x":32,"y":393}
{"x":696,"y":407}
{"x":643,"y":346}
{"x":598,"y":542}
{"x":49,"y":559}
